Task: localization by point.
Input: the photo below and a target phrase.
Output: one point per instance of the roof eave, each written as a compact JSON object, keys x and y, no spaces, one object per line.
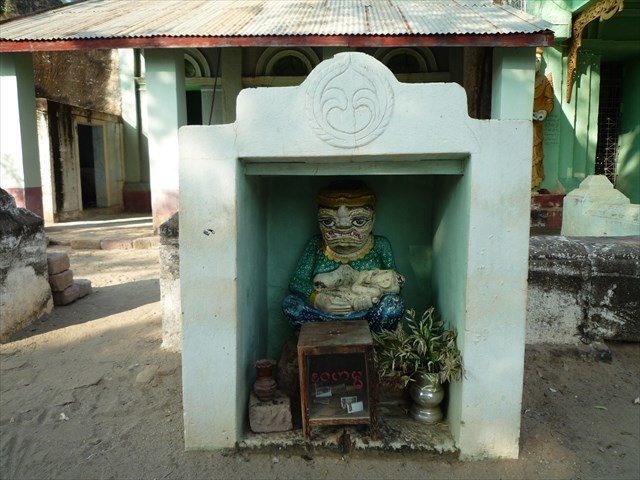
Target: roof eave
{"x":542,"y":39}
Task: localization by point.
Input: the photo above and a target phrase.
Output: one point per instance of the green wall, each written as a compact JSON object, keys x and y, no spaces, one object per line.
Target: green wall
{"x":571,"y":130}
{"x":403,"y":215}
{"x":628,"y":181}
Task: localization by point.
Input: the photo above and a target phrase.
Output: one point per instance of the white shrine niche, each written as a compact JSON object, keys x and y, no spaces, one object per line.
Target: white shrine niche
{"x":247,"y":193}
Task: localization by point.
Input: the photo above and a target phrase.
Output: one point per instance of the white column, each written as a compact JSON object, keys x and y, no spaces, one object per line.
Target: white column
{"x":513,"y":83}
{"x":136,"y":193}
{"x":20,"y":163}
{"x":167,"y":112}
{"x":214,"y":388}
{"x":129,"y":107}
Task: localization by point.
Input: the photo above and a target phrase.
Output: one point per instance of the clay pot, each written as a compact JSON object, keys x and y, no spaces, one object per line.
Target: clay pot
{"x":265,"y":386}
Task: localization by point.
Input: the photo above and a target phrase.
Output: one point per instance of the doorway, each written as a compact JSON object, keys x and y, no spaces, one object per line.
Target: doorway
{"x":93,"y":176}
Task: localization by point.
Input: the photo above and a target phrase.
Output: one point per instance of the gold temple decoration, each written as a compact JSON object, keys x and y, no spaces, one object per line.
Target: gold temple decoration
{"x":605,"y":9}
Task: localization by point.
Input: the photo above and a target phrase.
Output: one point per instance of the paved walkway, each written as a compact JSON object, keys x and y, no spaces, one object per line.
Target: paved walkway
{"x":106,"y":232}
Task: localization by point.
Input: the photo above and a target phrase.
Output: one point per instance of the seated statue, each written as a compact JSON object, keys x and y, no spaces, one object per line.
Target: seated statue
{"x":346,"y":272}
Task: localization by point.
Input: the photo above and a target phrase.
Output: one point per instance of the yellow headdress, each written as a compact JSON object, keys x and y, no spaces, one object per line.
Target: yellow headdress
{"x":349,"y":194}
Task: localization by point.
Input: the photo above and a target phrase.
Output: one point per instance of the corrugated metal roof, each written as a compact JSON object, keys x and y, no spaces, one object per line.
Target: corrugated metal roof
{"x":113,"y":19}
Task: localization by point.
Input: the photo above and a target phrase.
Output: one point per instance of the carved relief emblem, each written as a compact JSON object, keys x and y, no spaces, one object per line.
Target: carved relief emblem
{"x":349,"y":101}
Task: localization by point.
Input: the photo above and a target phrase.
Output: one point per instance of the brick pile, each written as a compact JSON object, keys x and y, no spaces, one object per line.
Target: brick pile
{"x":64,"y":288}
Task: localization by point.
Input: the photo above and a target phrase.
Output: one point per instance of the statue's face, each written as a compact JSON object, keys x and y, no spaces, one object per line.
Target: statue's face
{"x":538,"y":62}
{"x":346,"y":229}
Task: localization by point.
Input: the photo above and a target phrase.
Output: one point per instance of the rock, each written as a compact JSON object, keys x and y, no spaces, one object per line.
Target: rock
{"x":68,"y":295}
{"x":146,"y":242}
{"x":166,"y":371}
{"x":116,"y":244}
{"x":25,"y":293}
{"x":85,"y":243}
{"x":170,"y":230}
{"x":146,"y":374}
{"x":57,"y":262}
{"x":271,"y":416}
{"x":85,"y":286}
{"x":60,"y":281}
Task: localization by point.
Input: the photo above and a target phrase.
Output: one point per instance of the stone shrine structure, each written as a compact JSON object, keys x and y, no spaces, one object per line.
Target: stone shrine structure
{"x":596,"y":209}
{"x":25,"y":294}
{"x":247,"y":196}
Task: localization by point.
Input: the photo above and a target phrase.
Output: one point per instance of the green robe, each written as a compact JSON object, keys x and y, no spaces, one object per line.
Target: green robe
{"x":313,"y":261}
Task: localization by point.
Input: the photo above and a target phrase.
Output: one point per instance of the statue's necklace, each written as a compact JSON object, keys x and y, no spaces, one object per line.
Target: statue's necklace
{"x":349,"y":257}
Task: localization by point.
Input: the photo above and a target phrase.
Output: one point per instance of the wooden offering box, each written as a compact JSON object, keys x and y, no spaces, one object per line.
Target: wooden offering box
{"x":337,"y":375}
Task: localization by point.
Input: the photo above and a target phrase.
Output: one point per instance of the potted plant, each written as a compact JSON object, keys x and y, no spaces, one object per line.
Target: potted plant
{"x":424,"y":353}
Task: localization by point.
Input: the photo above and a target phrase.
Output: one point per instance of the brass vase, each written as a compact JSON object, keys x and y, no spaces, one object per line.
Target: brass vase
{"x":427,"y":396}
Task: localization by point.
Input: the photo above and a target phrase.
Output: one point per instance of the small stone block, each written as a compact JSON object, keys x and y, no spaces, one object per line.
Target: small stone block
{"x":85,"y":286}
{"x":85,"y":243}
{"x":61,"y":281}
{"x":271,"y":416}
{"x":116,"y":244}
{"x":57,"y":262}
{"x":146,"y":242}
{"x":68,"y":295}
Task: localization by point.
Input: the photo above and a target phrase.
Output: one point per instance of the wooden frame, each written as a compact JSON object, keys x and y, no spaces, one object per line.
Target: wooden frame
{"x":338,"y":381}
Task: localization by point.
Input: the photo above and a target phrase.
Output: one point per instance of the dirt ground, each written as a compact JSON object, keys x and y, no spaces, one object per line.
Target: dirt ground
{"x":75,"y":403}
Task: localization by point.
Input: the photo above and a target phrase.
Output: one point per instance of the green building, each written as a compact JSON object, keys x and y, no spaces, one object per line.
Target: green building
{"x":595,"y":68}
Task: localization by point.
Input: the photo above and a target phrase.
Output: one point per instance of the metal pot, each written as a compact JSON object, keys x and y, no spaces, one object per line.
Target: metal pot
{"x":427,"y":396}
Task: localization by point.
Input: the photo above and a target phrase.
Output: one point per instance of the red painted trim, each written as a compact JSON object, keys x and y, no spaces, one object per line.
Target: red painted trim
{"x":544,"y":39}
{"x":29,"y":198}
{"x":547,"y":200}
{"x":137,"y":201}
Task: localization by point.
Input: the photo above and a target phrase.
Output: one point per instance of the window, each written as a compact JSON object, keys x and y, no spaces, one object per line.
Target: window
{"x":609,"y":120}
{"x":195,"y":64}
{"x":408,"y":60}
{"x":287,"y":62}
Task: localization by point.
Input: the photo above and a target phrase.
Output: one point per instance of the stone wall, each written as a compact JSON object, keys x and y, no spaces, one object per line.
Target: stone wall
{"x":583,"y":289}
{"x":25,"y":294}
{"x":170,"y":285}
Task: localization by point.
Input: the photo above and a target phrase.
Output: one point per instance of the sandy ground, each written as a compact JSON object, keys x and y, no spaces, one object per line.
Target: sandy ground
{"x":74,"y":403}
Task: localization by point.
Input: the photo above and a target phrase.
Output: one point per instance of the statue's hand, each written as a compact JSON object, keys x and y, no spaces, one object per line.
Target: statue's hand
{"x":364,"y":302}
{"x":333,"y":302}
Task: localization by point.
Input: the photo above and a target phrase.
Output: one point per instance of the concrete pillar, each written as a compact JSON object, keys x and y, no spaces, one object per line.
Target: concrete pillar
{"x":513,"y":83}
{"x":587,"y":104}
{"x":555,"y":121}
{"x":136,"y":194}
{"x":170,"y":284}
{"x":20,"y":165}
{"x":167,"y":112}
{"x":215,"y":375}
{"x":231,"y":66}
